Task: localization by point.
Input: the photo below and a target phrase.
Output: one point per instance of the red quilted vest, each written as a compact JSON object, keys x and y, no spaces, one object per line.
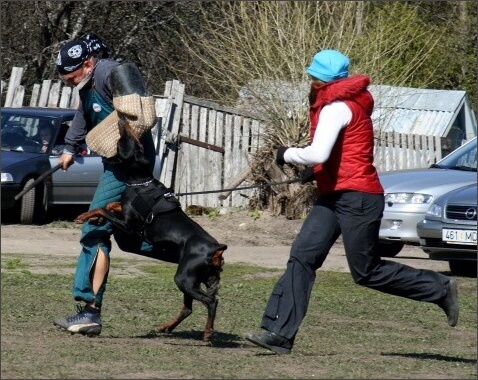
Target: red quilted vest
{"x":350,"y":165}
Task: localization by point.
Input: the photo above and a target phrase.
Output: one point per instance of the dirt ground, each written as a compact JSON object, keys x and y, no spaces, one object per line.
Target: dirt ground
{"x":262,"y":240}
{"x":30,"y":343}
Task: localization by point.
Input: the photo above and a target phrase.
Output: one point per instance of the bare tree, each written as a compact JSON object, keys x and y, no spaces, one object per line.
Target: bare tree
{"x":32,"y":33}
{"x":259,"y":50}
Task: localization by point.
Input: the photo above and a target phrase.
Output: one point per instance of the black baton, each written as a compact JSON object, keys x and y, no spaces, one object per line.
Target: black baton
{"x":37,"y":181}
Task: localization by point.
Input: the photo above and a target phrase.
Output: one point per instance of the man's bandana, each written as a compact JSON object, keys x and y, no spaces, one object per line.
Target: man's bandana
{"x":71,"y":56}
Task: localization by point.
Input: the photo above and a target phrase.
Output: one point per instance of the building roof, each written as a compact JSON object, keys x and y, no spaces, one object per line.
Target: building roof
{"x":397,"y":109}
{"x":420,"y":111}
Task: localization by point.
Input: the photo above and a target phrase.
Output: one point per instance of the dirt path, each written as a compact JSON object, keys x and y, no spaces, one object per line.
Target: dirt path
{"x":38,"y":243}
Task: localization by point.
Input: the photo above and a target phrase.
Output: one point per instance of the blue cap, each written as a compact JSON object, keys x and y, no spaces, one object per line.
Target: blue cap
{"x":328,"y":65}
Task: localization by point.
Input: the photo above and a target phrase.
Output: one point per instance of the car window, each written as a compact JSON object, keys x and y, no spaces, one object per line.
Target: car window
{"x":23,"y":133}
{"x":59,"y":145}
{"x":463,"y":158}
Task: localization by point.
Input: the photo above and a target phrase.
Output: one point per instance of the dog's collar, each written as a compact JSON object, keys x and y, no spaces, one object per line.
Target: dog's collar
{"x":141,"y":184}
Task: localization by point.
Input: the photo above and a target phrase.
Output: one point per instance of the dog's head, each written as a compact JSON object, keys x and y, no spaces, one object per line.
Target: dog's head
{"x":130,"y":154}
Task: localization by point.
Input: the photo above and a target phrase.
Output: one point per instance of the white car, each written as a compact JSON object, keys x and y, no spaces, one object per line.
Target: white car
{"x":409,"y":194}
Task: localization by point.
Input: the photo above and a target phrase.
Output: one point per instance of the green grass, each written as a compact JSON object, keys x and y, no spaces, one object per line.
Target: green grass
{"x":349,"y":331}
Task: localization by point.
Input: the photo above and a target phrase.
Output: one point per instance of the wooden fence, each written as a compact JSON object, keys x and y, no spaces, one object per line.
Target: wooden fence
{"x":395,"y":151}
{"x":212,"y":148}
{"x":204,"y":147}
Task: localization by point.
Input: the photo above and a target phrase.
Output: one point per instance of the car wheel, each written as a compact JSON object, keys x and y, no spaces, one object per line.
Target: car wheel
{"x":463,"y":268}
{"x":27,"y":205}
{"x":389,"y":249}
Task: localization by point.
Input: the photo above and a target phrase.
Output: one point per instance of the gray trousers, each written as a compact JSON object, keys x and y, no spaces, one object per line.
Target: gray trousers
{"x":356,"y":216}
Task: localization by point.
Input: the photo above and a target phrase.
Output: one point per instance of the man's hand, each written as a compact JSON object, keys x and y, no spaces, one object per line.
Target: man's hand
{"x":280,"y":155}
{"x":66,"y":160}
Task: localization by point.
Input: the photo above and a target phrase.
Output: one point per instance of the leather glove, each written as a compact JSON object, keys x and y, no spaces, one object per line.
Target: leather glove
{"x":280,"y":155}
{"x":307,"y":175}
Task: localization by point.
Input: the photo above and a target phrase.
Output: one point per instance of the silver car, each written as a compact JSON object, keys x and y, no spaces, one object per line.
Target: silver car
{"x":409,"y":194}
{"x":448,"y":231}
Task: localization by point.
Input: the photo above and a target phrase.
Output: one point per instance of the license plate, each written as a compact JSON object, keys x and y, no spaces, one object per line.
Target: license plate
{"x":459,"y":236}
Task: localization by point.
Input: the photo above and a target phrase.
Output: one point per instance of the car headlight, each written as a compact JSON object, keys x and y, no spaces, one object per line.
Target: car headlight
{"x":434,"y":210}
{"x":414,"y":198}
{"x":7,"y":177}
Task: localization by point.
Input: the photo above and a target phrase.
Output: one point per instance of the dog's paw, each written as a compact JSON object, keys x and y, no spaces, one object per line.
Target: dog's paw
{"x":80,"y":219}
{"x":164,"y":328}
{"x":97,"y":220}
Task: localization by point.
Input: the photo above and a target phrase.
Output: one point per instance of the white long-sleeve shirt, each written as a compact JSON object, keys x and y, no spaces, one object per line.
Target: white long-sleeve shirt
{"x":332,"y":119}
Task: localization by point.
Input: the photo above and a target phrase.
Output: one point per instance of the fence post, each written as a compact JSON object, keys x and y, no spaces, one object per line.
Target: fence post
{"x":15,"y":79}
{"x":54,"y":95}
{"x":438,"y":155}
{"x":18,"y":96}
{"x":45,"y":89}
{"x":65,"y":97}
{"x":176,"y":91}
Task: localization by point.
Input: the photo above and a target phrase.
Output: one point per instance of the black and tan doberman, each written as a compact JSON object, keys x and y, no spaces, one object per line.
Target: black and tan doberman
{"x":148,"y":208}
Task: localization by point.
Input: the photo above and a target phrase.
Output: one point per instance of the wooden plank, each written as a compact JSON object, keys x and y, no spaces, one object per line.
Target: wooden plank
{"x":417,"y":150}
{"x":35,"y":95}
{"x":194,"y":152}
{"x":166,"y":127}
{"x":438,"y":154}
{"x":202,"y":166}
{"x":219,"y":116}
{"x":389,"y":154}
{"x":18,"y":96}
{"x":236,"y":181}
{"x":403,"y":161}
{"x":396,"y":151}
{"x":257,"y":130}
{"x":214,"y":162}
{"x":45,"y":89}
{"x":163,"y":110}
{"x":425,"y":152}
{"x":54,"y":95}
{"x":237,"y":157}
{"x":186,"y":161}
{"x":14,"y":82}
{"x":228,"y":154}
{"x":65,"y":97}
{"x":177,"y":93}
{"x":408,"y":142}
{"x":245,"y":151}
{"x":75,"y":98}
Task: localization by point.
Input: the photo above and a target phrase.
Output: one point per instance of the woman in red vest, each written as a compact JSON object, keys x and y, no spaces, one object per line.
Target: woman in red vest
{"x":350,"y":202}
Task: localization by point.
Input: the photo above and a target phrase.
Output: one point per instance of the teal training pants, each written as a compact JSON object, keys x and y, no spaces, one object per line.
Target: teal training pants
{"x":94,"y":237}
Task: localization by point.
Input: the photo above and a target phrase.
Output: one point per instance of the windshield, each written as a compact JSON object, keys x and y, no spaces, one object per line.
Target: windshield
{"x":463,"y":158}
{"x":31,"y":134}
